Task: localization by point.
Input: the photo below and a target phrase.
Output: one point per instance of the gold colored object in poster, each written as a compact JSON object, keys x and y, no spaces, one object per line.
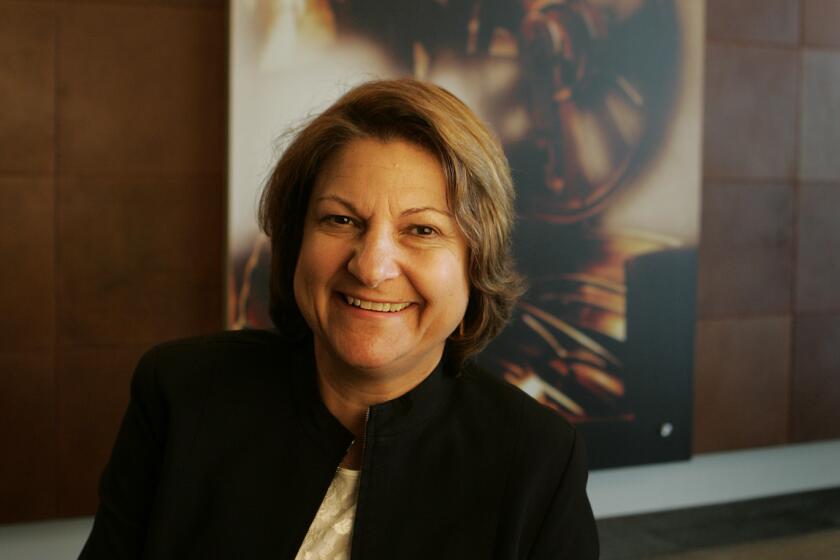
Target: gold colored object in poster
{"x":597,"y":105}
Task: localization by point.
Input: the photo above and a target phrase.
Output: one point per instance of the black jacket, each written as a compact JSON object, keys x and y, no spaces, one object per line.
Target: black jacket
{"x":226,"y":451}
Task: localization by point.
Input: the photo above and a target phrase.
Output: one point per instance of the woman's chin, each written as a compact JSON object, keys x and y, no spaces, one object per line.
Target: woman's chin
{"x":381,"y":358}
{"x":379,"y":355}
{"x":370,"y":359}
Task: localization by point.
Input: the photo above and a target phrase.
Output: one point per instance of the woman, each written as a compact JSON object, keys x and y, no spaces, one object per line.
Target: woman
{"x":358,"y":429}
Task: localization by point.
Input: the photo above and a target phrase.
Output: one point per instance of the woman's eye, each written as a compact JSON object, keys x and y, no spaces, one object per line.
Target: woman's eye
{"x":340,"y":220}
{"x":424,"y":231}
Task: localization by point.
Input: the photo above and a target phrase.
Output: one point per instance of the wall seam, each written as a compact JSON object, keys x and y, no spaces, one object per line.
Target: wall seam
{"x":752,"y":43}
{"x":56,"y":260}
{"x":227,"y":278}
{"x":797,"y":166}
{"x":166,"y":4}
{"x":749,"y":181}
{"x":743,"y":317}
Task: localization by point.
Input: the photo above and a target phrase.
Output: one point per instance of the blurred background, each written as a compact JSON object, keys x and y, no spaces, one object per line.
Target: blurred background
{"x":113,"y":234}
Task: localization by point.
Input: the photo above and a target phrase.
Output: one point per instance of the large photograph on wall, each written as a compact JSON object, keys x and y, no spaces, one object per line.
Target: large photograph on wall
{"x":598,"y":106}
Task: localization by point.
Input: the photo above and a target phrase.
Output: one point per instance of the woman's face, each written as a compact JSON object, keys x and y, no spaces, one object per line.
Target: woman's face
{"x":382,"y":274}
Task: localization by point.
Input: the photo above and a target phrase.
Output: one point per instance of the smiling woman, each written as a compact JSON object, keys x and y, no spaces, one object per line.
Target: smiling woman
{"x":359,"y":427}
{"x":378,"y":232}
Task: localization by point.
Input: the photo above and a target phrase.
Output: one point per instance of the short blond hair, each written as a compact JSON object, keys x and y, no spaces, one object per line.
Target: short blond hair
{"x":479,"y":192}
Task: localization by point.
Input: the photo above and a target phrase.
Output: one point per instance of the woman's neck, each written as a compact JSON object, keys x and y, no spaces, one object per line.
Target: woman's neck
{"x":348,"y":393}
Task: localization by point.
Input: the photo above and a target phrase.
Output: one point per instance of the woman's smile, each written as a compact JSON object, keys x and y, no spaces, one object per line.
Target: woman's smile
{"x":379,"y":306}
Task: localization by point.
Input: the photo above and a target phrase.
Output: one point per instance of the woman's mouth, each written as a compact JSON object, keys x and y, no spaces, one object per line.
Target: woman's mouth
{"x":386,"y":307}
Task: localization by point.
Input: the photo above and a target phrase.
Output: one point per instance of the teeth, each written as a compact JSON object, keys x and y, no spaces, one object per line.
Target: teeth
{"x":376,"y":306}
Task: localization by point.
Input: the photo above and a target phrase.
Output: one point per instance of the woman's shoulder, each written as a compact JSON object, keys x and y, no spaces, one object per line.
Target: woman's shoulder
{"x":247,"y":344}
{"x":538,"y":426}
{"x":180,"y":365}
{"x":223,"y":340}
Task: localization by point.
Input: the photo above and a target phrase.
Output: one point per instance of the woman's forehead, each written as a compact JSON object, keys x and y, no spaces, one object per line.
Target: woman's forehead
{"x":371,"y":172}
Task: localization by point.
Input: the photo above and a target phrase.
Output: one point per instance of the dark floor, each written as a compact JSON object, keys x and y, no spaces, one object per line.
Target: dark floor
{"x":658,"y":534}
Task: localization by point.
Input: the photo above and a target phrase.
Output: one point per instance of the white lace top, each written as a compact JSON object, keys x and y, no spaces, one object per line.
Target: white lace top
{"x":331,"y":530}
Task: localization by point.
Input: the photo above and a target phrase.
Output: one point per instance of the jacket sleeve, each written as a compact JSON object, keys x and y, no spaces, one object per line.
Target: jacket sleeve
{"x":128,"y":484}
{"x":568,"y":530}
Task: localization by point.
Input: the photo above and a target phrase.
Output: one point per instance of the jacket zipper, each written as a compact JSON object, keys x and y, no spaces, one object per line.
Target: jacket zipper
{"x":364,"y":437}
{"x":354,"y":553}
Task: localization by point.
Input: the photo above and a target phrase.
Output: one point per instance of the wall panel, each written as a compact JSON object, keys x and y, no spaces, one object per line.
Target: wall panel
{"x":93,"y":384}
{"x":816,"y":384}
{"x":140,"y":258}
{"x":746,"y":251}
{"x":27,"y":87}
{"x":768,"y":254}
{"x":820,"y":116}
{"x":27,"y":436}
{"x":750,"y":112}
{"x":818,"y":264}
{"x":27,"y":249}
{"x":819,"y":22}
{"x":742,"y":383}
{"x":766,"y":21}
{"x":112,"y":205}
{"x":142,"y":90}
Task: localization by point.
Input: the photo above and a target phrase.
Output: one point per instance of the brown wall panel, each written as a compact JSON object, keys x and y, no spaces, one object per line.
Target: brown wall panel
{"x":746,"y":250}
{"x":819,"y":22}
{"x":27,"y":242}
{"x":27,"y":88}
{"x":213,"y":4}
{"x":749,"y":127}
{"x":818,"y":265}
{"x":820,"y":116}
{"x":140,"y":259}
{"x":27,"y":436}
{"x":142,"y":90}
{"x":93,"y":385}
{"x":742,"y":383}
{"x":27,"y":251}
{"x":770,"y":21}
{"x":816,"y":387}
{"x":142,"y":143}
{"x":770,"y":233}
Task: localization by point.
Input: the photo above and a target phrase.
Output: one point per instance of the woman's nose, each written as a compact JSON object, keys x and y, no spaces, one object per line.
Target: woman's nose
{"x":375,"y":259}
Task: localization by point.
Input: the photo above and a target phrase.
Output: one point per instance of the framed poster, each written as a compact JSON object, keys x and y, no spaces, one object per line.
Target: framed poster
{"x":598,"y":106}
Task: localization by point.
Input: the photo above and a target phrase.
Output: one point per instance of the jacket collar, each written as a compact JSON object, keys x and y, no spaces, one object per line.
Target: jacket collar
{"x":414,"y":407}
{"x":316,"y":419}
{"x":389,"y":418}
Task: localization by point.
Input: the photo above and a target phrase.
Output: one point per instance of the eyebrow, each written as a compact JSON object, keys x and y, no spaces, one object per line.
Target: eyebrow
{"x":407,"y":212}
